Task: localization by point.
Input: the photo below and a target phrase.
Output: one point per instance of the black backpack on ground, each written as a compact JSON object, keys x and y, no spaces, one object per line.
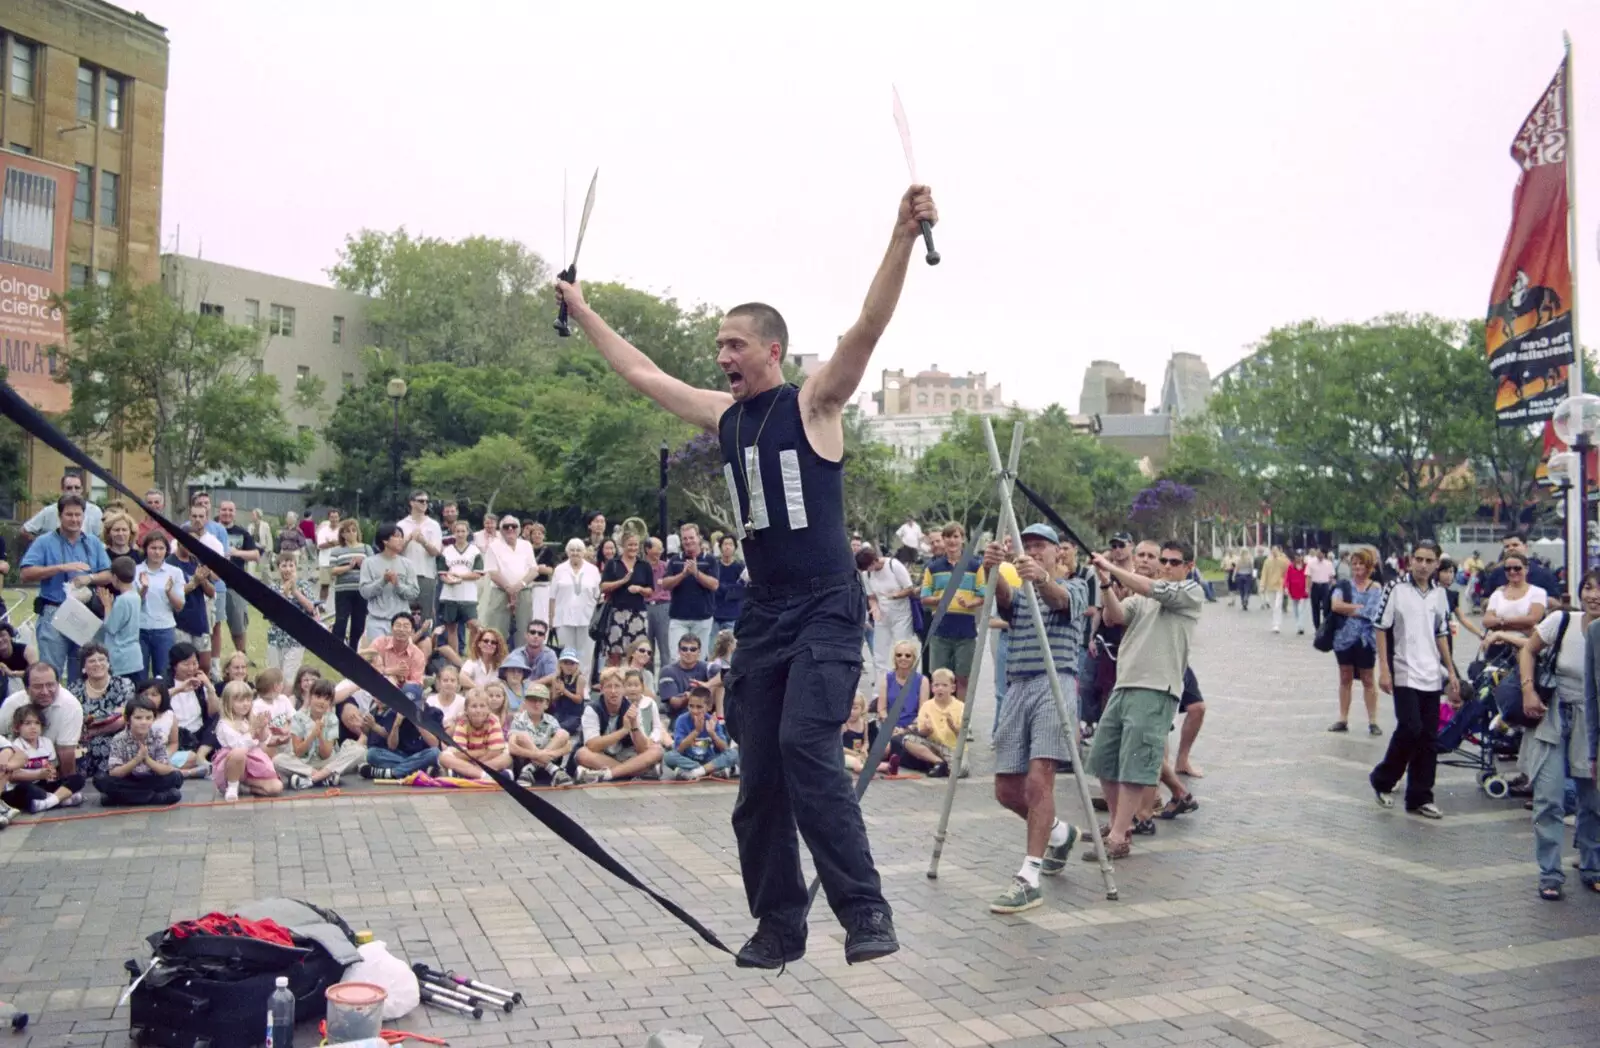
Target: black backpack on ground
{"x":211,"y":991}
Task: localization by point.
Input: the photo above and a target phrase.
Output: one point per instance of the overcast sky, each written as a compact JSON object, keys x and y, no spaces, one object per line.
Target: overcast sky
{"x":1116,"y":181}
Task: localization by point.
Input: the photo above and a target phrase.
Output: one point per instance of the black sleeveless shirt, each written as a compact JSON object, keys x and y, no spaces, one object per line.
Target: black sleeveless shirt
{"x":795,"y":529}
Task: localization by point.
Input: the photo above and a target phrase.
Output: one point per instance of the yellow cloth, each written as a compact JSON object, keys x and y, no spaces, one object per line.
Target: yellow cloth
{"x":934,"y":722}
{"x":1272,"y":573}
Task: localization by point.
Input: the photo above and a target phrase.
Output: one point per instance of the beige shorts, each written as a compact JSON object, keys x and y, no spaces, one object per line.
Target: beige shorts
{"x":325,"y":576}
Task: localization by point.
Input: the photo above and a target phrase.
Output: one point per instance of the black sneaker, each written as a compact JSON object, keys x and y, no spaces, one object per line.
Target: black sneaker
{"x":772,"y":946}
{"x":1145,"y":827}
{"x":871,"y":936}
{"x":939,"y":771}
{"x":368,"y":771}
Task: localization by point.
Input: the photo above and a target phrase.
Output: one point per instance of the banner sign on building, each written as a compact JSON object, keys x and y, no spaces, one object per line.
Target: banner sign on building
{"x":35,"y":219}
{"x":1529,"y":328}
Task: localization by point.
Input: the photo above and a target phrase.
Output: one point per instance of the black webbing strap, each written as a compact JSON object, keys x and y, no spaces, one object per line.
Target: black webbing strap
{"x":1051,"y":515}
{"x":316,"y":639}
{"x":886,"y":730}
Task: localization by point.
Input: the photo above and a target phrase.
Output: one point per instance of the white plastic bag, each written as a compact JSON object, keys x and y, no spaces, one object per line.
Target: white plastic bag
{"x":379,"y":966}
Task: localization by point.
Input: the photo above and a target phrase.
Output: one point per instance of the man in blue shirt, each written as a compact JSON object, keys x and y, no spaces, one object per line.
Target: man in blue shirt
{"x":217,"y":608}
{"x":692,"y":578}
{"x":731,"y":581}
{"x":67,"y":554}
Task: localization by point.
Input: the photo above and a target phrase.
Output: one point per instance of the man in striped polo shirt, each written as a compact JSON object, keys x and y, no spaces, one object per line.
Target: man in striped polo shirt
{"x":1029,"y":742}
{"x":951,"y":646}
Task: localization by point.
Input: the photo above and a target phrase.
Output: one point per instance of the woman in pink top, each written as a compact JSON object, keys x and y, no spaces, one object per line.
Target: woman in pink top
{"x":1294,"y":581}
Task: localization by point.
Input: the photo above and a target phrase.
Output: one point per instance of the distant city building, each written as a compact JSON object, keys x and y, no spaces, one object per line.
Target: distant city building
{"x":1186,"y":387}
{"x":307,"y":330}
{"x":1092,"y":400}
{"x":83,"y":85}
{"x":808,"y":363}
{"x":934,"y":392}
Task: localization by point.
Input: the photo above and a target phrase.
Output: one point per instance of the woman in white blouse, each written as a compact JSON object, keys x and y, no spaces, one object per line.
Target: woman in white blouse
{"x":574,"y":594}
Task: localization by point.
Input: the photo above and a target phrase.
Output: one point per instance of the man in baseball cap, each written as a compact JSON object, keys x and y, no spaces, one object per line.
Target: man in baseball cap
{"x":1029,"y":743}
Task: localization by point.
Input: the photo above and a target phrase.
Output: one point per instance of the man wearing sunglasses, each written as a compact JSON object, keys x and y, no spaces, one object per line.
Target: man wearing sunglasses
{"x":1159,"y":619}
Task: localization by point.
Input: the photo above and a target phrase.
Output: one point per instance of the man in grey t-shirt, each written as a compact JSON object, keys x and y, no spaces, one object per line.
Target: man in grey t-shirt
{"x":388,"y":582}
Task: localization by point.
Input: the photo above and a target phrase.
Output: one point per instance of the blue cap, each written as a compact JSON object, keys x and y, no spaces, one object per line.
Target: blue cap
{"x":1042,"y":531}
{"x":569,"y":655}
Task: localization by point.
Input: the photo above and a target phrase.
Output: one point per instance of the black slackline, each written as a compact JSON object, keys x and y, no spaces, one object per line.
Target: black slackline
{"x":316,"y":639}
{"x":1051,"y":515}
{"x":886,"y":730}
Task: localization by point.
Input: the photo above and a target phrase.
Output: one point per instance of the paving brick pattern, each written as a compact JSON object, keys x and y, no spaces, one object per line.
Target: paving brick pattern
{"x":1289,"y":910}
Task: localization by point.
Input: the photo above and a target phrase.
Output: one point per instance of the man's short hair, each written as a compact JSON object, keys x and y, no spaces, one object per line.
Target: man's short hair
{"x":385,"y":533}
{"x":401,"y":615}
{"x":1515,"y":533}
{"x":953,"y":529}
{"x":153,"y":492}
{"x":419,"y":494}
{"x":66,"y":502}
{"x":700,"y":691}
{"x":72,"y":474}
{"x":767,"y":321}
{"x":123,"y":569}
{"x":27,"y":677}
{"x":1428,"y":544}
{"x":1183,"y":549}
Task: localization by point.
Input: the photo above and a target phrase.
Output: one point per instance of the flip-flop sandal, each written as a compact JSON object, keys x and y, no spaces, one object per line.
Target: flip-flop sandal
{"x":1550,"y":894}
{"x":1176,"y":807}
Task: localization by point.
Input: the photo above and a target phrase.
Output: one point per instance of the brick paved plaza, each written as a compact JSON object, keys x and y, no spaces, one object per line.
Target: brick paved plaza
{"x":1288,"y":910}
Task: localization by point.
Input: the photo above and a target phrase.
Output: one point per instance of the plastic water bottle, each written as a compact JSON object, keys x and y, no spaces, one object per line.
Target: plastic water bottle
{"x":280,"y":1016}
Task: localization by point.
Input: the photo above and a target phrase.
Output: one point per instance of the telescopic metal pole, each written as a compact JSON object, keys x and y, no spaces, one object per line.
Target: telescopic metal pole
{"x":974,"y":674}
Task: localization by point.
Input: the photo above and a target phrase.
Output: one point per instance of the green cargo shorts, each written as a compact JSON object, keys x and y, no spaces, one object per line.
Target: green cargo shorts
{"x":951,"y":653}
{"x":1132,"y":736}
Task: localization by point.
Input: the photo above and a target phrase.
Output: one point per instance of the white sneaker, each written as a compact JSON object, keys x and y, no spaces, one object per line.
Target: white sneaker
{"x":49,"y":802}
{"x":528,"y":776}
{"x":590,"y":775}
{"x":232,"y":793}
{"x":671,"y":774}
{"x":696,"y":775}
{"x":299,"y":782}
{"x":560,"y":778}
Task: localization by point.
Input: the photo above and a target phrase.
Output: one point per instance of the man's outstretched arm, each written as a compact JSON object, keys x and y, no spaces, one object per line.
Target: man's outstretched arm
{"x":698,"y":407}
{"x":835,"y":383}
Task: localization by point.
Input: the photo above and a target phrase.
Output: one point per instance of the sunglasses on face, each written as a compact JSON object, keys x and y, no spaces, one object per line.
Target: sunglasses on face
{"x":1172,"y":561}
{"x":536,"y":633}
{"x":1514,"y":567}
{"x":508,"y":527}
{"x":687,"y":651}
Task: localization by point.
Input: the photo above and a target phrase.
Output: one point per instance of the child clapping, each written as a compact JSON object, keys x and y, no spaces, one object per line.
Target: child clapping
{"x":539,"y":744}
{"x":700,"y":742}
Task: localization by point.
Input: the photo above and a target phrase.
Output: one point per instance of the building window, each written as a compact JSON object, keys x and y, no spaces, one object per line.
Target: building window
{"x":282,"y":321}
{"x":102,"y":277}
{"x":83,"y":196}
{"x":85,"y":92}
{"x":922,"y":398}
{"x":302,"y":373}
{"x":338,"y":331}
{"x":938,"y":400}
{"x":972,"y":400}
{"x":108,"y":197}
{"x":113,"y":100}
{"x":348,"y":379}
{"x":252,"y":312}
{"x":988,"y":401}
{"x":210,"y":309}
{"x":18,"y":147}
{"x":79,"y":276}
{"x":21,"y":69}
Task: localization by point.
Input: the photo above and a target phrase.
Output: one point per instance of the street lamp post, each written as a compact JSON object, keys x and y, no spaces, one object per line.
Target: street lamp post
{"x":1575,"y":422}
{"x":396,"y":390}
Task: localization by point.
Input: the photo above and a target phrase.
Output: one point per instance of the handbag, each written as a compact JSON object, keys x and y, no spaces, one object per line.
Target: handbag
{"x":1331,"y":622}
{"x":1508,"y":693}
{"x":600,"y":621}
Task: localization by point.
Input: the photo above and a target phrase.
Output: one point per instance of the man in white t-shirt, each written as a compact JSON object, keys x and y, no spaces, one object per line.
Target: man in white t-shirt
{"x":509,"y":562}
{"x":327,"y":541}
{"x":63,"y":713}
{"x":910,"y":535}
{"x":1414,"y":666}
{"x":424,"y":543}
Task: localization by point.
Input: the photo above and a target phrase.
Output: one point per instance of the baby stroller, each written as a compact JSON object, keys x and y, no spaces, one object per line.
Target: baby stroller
{"x":1473,"y":737}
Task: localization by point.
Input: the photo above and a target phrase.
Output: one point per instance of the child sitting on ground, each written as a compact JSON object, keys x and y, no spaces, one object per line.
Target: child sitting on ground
{"x":538,"y":744}
{"x":721,"y":659}
{"x":614,"y":745}
{"x":499,"y":702}
{"x":314,"y":755}
{"x":165,"y":728}
{"x":277,"y":707}
{"x":137,"y":769}
{"x":395,"y":747}
{"x":930,"y":744}
{"x":479,"y":733}
{"x":568,"y":684}
{"x":240,"y":759}
{"x":448,"y":700}
{"x":514,"y":683}
{"x":568,"y":710}
{"x":38,"y":785}
{"x":854,"y":734}
{"x":652,"y":721}
{"x":700,"y":744}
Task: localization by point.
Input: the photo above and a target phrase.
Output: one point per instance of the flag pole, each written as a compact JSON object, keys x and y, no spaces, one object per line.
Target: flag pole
{"x":1578,"y":495}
